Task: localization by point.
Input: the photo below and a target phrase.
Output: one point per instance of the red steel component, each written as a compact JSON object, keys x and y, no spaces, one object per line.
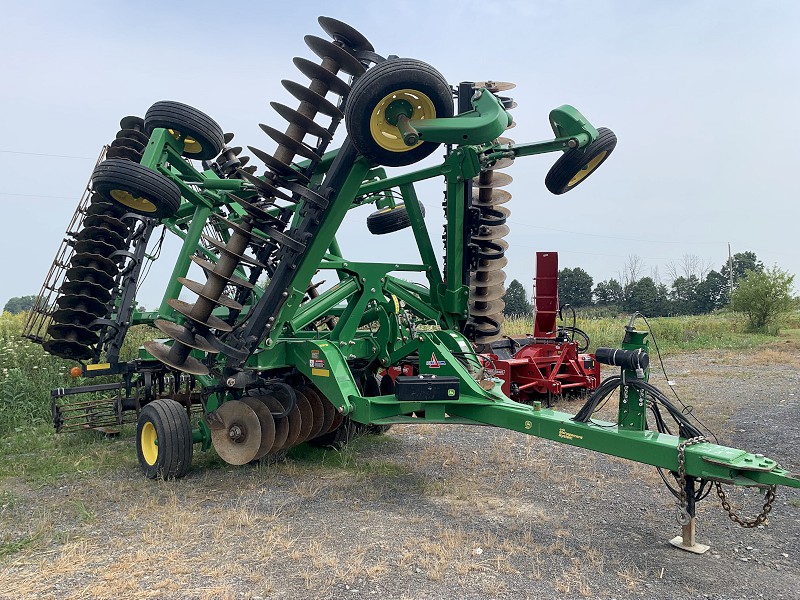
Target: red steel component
{"x":547,"y":363}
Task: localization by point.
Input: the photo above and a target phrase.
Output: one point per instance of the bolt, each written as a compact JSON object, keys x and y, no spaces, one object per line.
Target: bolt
{"x":352,"y":343}
{"x":352,"y":356}
{"x":235,"y":432}
{"x":269,"y":342}
{"x":231,"y":381}
{"x":572,"y":143}
{"x":384,"y":361}
{"x":271,"y":319}
{"x":284,"y":294}
{"x":374,"y":349}
{"x":372,"y":290}
{"x":363,"y":279}
{"x":342,"y":343}
{"x":344,"y":265}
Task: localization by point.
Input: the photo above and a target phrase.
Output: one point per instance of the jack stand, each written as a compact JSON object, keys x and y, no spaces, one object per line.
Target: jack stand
{"x":687,"y":540}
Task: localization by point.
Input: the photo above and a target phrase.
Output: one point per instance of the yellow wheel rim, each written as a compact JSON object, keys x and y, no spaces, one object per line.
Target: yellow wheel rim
{"x":386,"y":135}
{"x":584,"y":172}
{"x":149,"y":443}
{"x":136,"y":202}
{"x":190,"y":145}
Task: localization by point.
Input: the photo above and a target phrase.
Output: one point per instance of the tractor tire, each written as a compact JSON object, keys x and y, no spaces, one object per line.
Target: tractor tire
{"x":423,"y":89}
{"x":139,"y":189}
{"x":203,"y":137}
{"x":576,"y":165}
{"x":389,"y":220}
{"x":164,"y":440}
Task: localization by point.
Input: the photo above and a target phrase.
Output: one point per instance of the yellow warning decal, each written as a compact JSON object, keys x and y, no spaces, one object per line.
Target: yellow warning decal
{"x":98,"y":367}
{"x":321,"y":372}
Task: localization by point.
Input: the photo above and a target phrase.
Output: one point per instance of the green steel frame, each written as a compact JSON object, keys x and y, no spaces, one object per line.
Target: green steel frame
{"x":411,"y":318}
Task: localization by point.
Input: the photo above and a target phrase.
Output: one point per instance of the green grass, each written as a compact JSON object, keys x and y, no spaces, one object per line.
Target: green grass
{"x":9,"y":548}
{"x":38,"y":455}
{"x":30,"y":449}
{"x":673,"y":334}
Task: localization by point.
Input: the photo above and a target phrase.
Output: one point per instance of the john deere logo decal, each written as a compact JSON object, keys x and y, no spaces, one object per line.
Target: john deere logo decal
{"x":434,"y":363}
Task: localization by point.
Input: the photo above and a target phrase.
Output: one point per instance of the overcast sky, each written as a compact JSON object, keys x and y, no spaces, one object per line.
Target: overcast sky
{"x":702,"y":96}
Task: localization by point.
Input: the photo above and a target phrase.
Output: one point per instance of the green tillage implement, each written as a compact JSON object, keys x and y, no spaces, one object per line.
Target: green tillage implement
{"x":243,"y":346}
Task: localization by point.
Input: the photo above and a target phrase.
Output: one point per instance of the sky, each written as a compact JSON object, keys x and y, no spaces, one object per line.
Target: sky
{"x":701,"y":95}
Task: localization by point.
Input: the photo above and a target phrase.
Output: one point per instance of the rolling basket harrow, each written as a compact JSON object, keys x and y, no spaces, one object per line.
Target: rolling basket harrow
{"x":258,"y":358}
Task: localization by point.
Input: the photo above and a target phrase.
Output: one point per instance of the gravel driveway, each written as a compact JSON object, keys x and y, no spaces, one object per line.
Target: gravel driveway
{"x":424,"y":512}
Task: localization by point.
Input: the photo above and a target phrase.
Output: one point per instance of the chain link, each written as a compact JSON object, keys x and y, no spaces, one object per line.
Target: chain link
{"x":683,"y":514}
{"x":755,"y":521}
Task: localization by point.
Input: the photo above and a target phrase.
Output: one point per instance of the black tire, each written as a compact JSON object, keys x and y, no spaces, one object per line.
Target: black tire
{"x":164,"y":440}
{"x":373,"y":87}
{"x":137,"y":188}
{"x":338,"y":437}
{"x":388,"y":220}
{"x":204,"y":137}
{"x":575,"y":166}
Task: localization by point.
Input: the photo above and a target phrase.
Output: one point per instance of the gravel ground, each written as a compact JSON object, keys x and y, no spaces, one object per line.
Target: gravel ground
{"x":426,"y":512}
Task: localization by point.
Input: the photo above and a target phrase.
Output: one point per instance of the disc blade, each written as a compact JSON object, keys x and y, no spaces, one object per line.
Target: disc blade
{"x":267,"y":425}
{"x":235,"y":432}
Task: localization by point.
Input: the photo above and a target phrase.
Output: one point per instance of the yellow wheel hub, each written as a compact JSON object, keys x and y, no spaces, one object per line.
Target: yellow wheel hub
{"x":149,"y":443}
{"x":131,"y":201}
{"x":580,"y":175}
{"x":190,"y":145}
{"x":388,"y":136}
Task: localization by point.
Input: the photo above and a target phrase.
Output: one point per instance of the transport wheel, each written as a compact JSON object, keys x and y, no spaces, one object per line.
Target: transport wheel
{"x":202,"y":136}
{"x":164,"y":439}
{"x":140,"y":189}
{"x":393,"y":87}
{"x":391,"y":219}
{"x":576,"y":165}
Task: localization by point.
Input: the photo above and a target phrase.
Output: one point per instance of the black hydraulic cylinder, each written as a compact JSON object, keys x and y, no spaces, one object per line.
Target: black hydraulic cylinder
{"x":627,"y":359}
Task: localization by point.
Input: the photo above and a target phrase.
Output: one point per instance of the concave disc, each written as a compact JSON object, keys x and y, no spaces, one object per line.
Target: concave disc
{"x":235,"y":432}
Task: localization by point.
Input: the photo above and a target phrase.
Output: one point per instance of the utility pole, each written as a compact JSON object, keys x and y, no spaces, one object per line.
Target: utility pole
{"x":730,"y":272}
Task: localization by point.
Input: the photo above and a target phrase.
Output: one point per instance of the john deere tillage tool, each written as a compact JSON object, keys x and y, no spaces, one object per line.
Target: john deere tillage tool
{"x":254,"y":368}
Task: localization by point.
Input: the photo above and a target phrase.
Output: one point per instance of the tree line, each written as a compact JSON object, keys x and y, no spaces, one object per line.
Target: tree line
{"x":695,"y":288}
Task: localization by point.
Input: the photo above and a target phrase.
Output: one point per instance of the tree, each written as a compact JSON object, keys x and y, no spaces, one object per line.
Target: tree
{"x":608,"y":292}
{"x":644,"y":296}
{"x":575,"y":287}
{"x":763,"y":296}
{"x":516,"y":300}
{"x":631,"y":271}
{"x":19,"y":304}
{"x":690,"y":264}
{"x":742,"y":263}
{"x":712,"y":293}
{"x":683,"y":296}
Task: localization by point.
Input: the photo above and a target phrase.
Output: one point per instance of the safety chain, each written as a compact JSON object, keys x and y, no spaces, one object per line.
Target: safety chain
{"x":769,"y":499}
{"x":683,"y":514}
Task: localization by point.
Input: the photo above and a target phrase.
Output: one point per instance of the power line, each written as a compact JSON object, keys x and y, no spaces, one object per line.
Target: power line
{"x":44,"y":154}
{"x":37,"y":196}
